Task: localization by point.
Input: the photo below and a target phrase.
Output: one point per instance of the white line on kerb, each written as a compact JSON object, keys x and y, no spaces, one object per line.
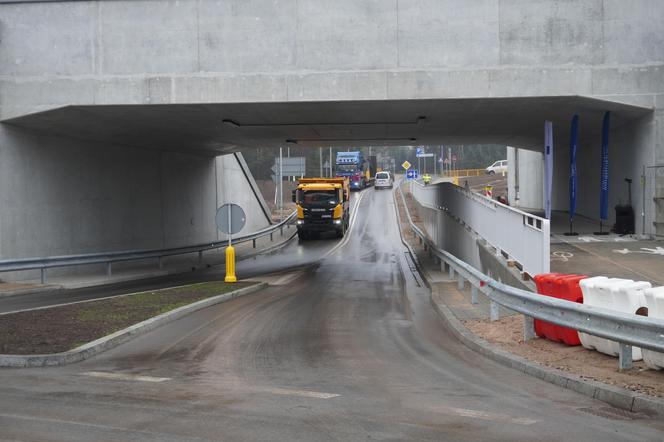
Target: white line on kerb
{"x":123,"y":377}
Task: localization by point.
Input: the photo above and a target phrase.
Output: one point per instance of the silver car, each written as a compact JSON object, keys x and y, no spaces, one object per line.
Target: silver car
{"x":383,"y":179}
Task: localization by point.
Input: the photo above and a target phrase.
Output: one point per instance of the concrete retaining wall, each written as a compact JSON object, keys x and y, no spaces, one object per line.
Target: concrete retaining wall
{"x":61,"y":196}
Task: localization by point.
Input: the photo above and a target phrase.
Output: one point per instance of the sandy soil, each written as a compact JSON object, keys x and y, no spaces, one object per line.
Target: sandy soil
{"x":507,"y":334}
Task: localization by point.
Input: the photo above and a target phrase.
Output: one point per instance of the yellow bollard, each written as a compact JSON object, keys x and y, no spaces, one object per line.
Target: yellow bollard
{"x":455,"y":180}
{"x":230,"y":265}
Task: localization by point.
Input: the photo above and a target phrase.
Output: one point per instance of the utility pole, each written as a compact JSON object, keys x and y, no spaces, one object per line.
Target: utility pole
{"x":320,"y":161}
{"x":330,"y":162}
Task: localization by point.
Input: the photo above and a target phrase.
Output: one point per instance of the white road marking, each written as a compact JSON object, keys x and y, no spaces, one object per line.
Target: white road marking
{"x":286,"y":279}
{"x":124,"y":377}
{"x":289,"y":392}
{"x":484,"y":415}
{"x":351,"y":224}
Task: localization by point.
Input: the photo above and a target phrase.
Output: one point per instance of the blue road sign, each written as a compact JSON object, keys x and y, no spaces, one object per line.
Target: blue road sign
{"x":412,"y":174}
{"x":419,"y":151}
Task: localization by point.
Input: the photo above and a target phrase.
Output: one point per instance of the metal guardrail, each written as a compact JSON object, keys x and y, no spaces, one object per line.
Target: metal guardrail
{"x":626,"y":329}
{"x":109,"y":258}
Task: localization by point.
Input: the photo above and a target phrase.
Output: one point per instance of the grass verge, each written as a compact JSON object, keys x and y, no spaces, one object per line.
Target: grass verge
{"x":63,"y":328}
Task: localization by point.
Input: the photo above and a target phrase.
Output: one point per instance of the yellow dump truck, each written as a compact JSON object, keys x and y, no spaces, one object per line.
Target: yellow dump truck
{"x":323,"y":205}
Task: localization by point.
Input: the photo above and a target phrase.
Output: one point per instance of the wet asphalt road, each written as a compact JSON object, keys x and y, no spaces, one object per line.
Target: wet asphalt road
{"x":348,"y":350}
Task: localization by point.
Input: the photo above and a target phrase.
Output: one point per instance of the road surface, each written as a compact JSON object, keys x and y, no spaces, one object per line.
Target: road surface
{"x":347,"y":349}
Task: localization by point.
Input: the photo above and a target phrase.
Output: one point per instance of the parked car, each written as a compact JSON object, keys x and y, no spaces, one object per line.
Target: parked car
{"x":383,"y":179}
{"x":497,"y":167}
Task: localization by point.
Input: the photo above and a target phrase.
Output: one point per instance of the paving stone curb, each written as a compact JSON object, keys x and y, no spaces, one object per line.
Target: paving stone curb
{"x":615,"y":396}
{"x":113,"y":340}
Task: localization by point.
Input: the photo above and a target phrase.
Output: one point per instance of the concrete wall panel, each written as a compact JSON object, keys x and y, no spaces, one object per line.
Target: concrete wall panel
{"x":435,"y":33}
{"x":61,"y":196}
{"x":550,"y":32}
{"x":148,"y":37}
{"x":61,"y":39}
{"x":247,"y":35}
{"x":346,"y":35}
{"x":632,"y":31}
{"x":431,"y":84}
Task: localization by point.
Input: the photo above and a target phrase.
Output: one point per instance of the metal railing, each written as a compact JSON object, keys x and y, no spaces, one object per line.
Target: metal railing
{"x":519,"y":236}
{"x":464,"y":172}
{"x":626,"y":329}
{"x":109,"y":258}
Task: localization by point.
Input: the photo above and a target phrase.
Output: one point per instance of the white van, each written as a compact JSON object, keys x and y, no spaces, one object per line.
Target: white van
{"x":383,"y":179}
{"x":497,"y":167}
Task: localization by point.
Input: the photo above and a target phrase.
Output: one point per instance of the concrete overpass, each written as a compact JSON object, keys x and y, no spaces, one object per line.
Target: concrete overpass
{"x":151,"y":86}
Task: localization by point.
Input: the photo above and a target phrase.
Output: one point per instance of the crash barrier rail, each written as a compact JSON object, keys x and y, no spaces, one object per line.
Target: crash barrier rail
{"x":109,"y":258}
{"x":464,"y":172}
{"x":518,"y":236}
{"x":626,"y":330}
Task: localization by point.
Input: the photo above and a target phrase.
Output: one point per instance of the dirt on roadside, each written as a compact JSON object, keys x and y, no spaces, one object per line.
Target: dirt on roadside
{"x":58,"y":329}
{"x":507,"y":334}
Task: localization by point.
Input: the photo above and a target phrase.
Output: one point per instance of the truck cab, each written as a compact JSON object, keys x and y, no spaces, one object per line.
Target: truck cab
{"x":358,"y":169}
{"x":323,"y":205}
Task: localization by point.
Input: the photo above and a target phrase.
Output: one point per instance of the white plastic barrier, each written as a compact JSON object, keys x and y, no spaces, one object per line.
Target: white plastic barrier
{"x":622,"y":295}
{"x":655,"y":303}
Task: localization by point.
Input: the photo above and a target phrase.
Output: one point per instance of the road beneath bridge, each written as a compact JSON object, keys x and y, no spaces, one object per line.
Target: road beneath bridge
{"x":348,"y":348}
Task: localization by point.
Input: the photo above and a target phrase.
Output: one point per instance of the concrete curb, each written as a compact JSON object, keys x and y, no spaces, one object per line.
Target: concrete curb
{"x":113,"y":340}
{"x":615,"y":396}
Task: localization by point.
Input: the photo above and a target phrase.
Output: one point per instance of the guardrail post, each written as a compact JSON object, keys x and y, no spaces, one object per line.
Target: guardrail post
{"x":282,"y":230}
{"x":253,"y":241}
{"x":271,"y":236}
{"x":624,"y":356}
{"x":451,"y":272}
{"x":494,"y":312}
{"x":200,"y":256}
{"x":109,"y":269}
{"x":460,"y":282}
{"x":43,"y":275}
{"x":442,"y":265}
{"x":420,"y":239}
{"x":528,"y":328}
{"x":473,"y":294}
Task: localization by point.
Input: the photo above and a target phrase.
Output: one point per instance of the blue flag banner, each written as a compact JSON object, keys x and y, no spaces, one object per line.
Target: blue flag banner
{"x":573,"y":143}
{"x":548,"y":167}
{"x":604,"y":171}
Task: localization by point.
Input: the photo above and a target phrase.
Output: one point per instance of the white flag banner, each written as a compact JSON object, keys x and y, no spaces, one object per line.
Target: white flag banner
{"x":548,"y":167}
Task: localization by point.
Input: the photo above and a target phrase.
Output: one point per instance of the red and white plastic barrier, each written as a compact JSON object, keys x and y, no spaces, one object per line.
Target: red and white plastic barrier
{"x":654,"y":298}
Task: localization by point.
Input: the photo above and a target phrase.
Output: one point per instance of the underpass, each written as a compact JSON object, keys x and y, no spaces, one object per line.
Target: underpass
{"x":121,"y":127}
{"x":349,"y":349}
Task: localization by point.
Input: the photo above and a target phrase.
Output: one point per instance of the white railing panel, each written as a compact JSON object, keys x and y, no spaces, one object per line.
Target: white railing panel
{"x":519,"y":235}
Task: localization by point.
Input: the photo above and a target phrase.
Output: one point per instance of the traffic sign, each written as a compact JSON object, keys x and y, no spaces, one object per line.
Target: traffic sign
{"x":425,"y":155}
{"x":411,"y":174}
{"x":230,"y":218}
{"x":291,"y":166}
{"x":406,"y":165}
{"x":419,"y":151}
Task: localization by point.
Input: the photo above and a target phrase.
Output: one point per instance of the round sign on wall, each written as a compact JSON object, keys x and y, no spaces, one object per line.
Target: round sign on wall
{"x":230,"y":218}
